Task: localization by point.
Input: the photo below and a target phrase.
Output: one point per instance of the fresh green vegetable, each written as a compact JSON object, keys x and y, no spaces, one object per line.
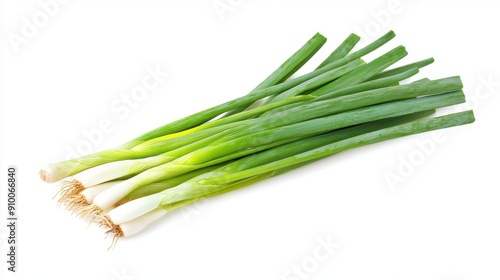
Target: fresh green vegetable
{"x":258,"y":141}
{"x":217,"y":180}
{"x":283,"y":124}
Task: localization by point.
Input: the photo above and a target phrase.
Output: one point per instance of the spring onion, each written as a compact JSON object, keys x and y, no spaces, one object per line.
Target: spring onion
{"x":282,"y":124}
{"x":217,"y":180}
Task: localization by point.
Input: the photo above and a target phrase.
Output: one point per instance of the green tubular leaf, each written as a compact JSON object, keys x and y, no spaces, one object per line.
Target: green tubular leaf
{"x":318,"y":81}
{"x":202,"y":157}
{"x":153,"y":147}
{"x":395,"y":71}
{"x":364,"y":72}
{"x":282,"y":152}
{"x":295,"y":62}
{"x":219,"y":127}
{"x":351,"y":57}
{"x":303,"y":145}
{"x":57,"y":171}
{"x":342,"y":50}
{"x":370,"y":48}
{"x":322,"y":125}
{"x":345,"y":103}
{"x":254,"y":112}
{"x":213,"y":183}
{"x":281,"y":74}
{"x":364,"y":51}
{"x":215,"y":111}
{"x":402,"y":130}
{"x":369,"y":85}
{"x":289,"y":67}
{"x":60,"y":170}
{"x":164,"y":145}
{"x":216,"y":181}
{"x":161,"y":145}
{"x":366,"y":86}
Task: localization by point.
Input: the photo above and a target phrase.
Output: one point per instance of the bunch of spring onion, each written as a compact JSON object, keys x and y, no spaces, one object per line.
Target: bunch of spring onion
{"x":344,"y":103}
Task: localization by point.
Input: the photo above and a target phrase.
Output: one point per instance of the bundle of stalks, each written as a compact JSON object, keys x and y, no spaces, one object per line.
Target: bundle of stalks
{"x":281,"y":125}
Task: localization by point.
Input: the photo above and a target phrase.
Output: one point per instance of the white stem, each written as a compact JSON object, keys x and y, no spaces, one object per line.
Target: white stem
{"x":92,"y":192}
{"x":113,"y":194}
{"x":138,"y":224}
{"x":47,"y":174}
{"x":104,"y":172}
{"x":135,"y":208}
{"x":54,"y":172}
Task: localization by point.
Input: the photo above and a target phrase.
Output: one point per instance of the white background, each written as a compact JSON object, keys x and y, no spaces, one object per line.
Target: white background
{"x":442,"y":222}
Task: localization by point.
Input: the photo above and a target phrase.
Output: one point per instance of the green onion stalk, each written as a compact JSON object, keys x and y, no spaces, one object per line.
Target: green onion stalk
{"x":274,"y":85}
{"x":134,"y":216}
{"x":312,"y":120}
{"x":344,"y":103}
{"x":167,"y":148}
{"x":138,"y":224}
{"x":164,"y":149}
